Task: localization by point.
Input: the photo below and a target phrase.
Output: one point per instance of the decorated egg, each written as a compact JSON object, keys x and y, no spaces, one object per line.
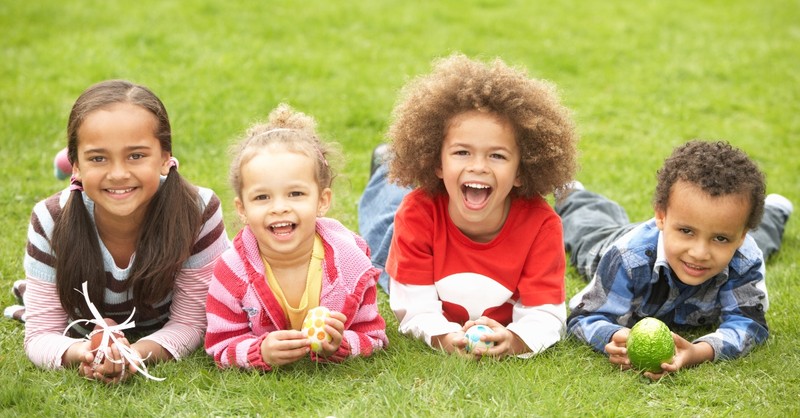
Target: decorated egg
{"x":314,"y":327}
{"x":473,"y":336}
{"x":61,"y":166}
{"x":96,"y":338}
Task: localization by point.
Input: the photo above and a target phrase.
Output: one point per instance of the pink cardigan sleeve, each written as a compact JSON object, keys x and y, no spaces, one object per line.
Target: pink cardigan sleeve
{"x":365,"y":330}
{"x":229,"y":338}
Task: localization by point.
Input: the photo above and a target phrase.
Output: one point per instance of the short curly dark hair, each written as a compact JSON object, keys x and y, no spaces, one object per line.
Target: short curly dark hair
{"x":719,"y":169}
{"x":544,"y":128}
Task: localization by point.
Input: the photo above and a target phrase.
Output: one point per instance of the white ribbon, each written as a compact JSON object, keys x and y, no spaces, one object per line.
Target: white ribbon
{"x":128,"y":354}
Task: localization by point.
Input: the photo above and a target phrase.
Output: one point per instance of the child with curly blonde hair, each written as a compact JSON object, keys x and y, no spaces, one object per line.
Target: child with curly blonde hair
{"x":289,"y":258}
{"x":474,"y":242}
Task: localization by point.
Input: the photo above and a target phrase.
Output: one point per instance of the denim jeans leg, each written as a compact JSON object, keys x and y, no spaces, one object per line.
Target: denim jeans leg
{"x":769,"y":233}
{"x":376,"y":209}
{"x":591,"y":223}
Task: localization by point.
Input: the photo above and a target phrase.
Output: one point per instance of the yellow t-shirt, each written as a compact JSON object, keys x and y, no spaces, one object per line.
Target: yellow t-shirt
{"x":310,"y":299}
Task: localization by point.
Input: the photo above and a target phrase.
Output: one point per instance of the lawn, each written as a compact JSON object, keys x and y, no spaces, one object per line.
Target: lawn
{"x":641,"y":77}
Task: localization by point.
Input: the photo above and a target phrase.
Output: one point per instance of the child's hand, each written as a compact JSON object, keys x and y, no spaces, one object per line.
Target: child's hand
{"x":81,"y":354}
{"x":113,"y":369}
{"x":506,"y":343}
{"x":454,"y":342}
{"x":284,"y":347}
{"x":686,"y":355}
{"x":334,"y":326}
{"x":617,"y":349}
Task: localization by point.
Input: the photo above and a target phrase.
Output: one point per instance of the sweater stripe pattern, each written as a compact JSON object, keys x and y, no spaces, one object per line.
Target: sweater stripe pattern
{"x":242,"y":310}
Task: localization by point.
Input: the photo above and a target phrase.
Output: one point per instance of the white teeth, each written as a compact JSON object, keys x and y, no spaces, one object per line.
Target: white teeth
{"x":116,"y":191}
{"x":476,"y":186}
{"x":280,"y":225}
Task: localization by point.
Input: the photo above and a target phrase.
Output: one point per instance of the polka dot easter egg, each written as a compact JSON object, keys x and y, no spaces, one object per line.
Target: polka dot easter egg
{"x":314,"y":327}
{"x":473,"y":336}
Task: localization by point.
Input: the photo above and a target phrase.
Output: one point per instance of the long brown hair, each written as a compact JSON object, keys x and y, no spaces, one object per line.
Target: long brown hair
{"x":165,"y":239}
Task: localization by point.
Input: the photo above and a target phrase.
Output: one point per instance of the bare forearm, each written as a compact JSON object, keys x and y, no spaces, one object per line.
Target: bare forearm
{"x":152,"y":349}
{"x":700,"y":353}
{"x":75,"y":354}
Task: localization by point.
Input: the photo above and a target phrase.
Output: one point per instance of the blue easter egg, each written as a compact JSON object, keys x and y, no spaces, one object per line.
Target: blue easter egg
{"x":473,"y":336}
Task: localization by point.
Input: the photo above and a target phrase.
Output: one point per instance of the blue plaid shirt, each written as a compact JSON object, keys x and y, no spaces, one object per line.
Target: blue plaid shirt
{"x":633,"y":281}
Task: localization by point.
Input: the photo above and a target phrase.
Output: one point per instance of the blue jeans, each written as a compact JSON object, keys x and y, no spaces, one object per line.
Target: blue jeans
{"x":592,"y":223}
{"x":376,"y":209}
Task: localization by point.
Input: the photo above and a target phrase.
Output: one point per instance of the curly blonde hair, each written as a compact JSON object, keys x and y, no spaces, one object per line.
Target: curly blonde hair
{"x":544,"y":128}
{"x":289,"y":129}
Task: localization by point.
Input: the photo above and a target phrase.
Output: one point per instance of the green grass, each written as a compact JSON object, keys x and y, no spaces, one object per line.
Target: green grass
{"x":641,"y":77}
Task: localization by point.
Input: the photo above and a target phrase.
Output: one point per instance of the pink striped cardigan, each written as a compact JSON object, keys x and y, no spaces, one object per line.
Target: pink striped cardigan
{"x":241,"y":309}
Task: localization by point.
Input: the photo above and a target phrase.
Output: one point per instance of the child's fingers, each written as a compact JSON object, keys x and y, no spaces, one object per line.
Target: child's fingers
{"x":616,"y":350}
{"x":330,"y":348}
{"x":338,"y":316}
{"x":294,"y":353}
{"x":459,"y":341}
{"x":286,"y":340}
{"x":489,"y":322}
{"x":85,"y":369}
{"x":294,"y":344}
{"x":286,"y":335}
{"x":621,"y":360}
{"x":335,"y":323}
{"x":286,"y":352}
{"x":112,"y":367}
{"x":669,"y":367}
{"x":498,"y":336}
{"x":335,"y":334}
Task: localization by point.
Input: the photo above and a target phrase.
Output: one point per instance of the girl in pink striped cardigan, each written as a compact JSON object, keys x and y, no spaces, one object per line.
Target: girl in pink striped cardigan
{"x":288,"y":258}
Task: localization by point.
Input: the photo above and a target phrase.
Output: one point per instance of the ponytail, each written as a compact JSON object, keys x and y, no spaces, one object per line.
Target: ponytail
{"x":173,"y":221}
{"x":78,"y":257}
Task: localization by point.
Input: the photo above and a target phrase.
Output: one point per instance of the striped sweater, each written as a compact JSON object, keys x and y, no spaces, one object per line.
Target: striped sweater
{"x":179,"y":322}
{"x":242,"y":310}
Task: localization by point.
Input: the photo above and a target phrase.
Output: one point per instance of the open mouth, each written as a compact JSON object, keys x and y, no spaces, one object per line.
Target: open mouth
{"x":475,"y":194}
{"x":120,"y":191}
{"x":282,"y":228}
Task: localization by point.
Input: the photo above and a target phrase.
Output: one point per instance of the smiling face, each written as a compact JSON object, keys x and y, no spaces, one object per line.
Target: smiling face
{"x":280,"y":201}
{"x":119,"y":161}
{"x":701,"y":232}
{"x":480,"y":162}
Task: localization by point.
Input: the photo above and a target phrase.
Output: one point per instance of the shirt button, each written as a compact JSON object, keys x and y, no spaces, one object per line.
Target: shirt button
{"x":648,"y":253}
